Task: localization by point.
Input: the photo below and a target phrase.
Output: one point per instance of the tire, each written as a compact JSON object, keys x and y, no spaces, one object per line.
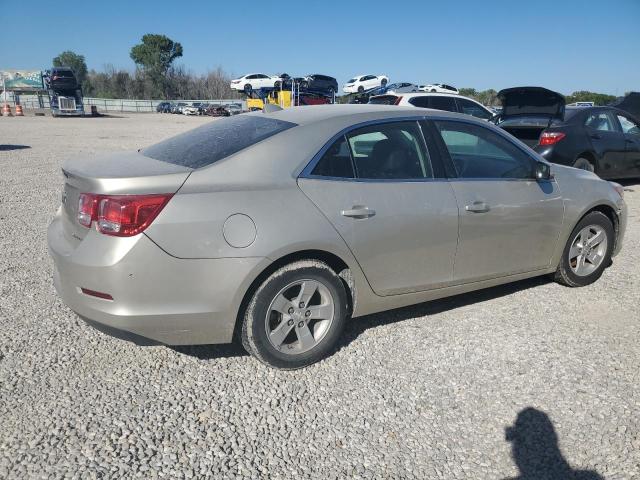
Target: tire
{"x":275,"y":330}
{"x":584,"y":164}
{"x":383,"y":83}
{"x":248,"y":88}
{"x":360,"y":89}
{"x":568,"y":272}
{"x":433,"y":90}
{"x":276,"y":84}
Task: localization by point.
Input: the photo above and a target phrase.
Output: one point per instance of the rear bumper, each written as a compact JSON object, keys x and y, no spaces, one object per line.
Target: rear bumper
{"x":155,"y":296}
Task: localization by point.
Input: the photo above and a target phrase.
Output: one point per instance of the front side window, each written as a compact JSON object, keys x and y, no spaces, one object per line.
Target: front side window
{"x":471,"y":108}
{"x":214,"y":141}
{"x":478,"y":152}
{"x":628,"y":126}
{"x":447,"y":104}
{"x":600,"y":121}
{"x":390,"y":151}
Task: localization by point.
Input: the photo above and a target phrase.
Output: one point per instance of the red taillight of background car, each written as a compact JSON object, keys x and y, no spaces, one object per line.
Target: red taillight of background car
{"x":549,"y":138}
{"x":120,"y":215}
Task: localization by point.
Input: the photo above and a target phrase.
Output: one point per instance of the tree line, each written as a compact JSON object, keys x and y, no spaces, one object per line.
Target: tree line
{"x":156,"y":77}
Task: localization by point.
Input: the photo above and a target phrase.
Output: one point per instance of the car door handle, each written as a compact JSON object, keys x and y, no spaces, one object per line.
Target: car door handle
{"x":358,"y":211}
{"x":596,"y":136}
{"x":477,"y":207}
{"x":628,"y":140}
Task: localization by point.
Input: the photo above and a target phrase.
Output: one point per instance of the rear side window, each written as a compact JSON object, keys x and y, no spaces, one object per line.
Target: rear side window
{"x":447,"y":104}
{"x":383,"y":100}
{"x":336,"y":162}
{"x":205,"y":145}
{"x":601,"y":121}
{"x":471,"y":108}
{"x":422,"y":102}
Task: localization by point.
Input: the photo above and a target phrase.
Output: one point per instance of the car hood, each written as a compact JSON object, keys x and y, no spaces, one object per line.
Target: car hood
{"x":536,"y":101}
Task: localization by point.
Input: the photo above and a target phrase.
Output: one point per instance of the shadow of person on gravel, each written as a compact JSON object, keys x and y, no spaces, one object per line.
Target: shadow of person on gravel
{"x":8,"y":148}
{"x":357,"y":326}
{"x":535,"y":450}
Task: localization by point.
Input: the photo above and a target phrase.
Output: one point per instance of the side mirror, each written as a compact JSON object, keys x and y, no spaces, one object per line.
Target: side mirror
{"x":543,"y":171}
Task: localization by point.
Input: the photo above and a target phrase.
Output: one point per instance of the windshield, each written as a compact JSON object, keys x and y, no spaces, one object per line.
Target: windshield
{"x":383,"y":100}
{"x":351,"y":81}
{"x":217,"y":140}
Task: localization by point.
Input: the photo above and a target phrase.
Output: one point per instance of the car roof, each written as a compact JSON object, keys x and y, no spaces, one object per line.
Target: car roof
{"x":346,"y":114}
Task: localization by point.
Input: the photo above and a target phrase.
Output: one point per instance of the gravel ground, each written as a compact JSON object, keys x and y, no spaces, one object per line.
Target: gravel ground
{"x":421,"y":392}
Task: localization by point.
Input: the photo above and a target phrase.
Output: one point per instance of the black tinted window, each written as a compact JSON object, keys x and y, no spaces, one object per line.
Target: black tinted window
{"x":212,"y":142}
{"x":383,"y":100}
{"x":477,"y":152}
{"x":390,"y":151}
{"x":443,"y":103}
{"x":422,"y":102}
{"x":471,"y":108}
{"x":336,"y":162}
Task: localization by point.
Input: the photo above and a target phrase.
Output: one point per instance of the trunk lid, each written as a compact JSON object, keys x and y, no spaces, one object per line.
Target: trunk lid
{"x":114,"y":174}
{"x":527,"y":111}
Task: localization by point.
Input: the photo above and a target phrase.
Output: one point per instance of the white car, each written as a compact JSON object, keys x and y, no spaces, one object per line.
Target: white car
{"x":437,"y":101}
{"x":438,"y":88}
{"x":255,"y":81}
{"x":191,"y":109}
{"x":360,"y":83}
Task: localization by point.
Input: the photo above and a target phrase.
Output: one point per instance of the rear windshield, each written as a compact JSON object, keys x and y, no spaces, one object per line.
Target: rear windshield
{"x":205,"y":145}
{"x":383,"y":100}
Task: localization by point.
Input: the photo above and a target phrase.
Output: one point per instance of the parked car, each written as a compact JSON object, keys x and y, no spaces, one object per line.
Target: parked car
{"x":604,"y":140}
{"x":318,"y":83}
{"x":164,"y":107}
{"x":629,"y":103}
{"x":193,"y":109}
{"x":177,"y":107}
{"x":218,"y":111}
{"x":400,"y":87}
{"x":254,"y":81}
{"x":62,"y":78}
{"x":234,"y":108}
{"x":360,"y":83}
{"x":203,"y":239}
{"x":438,"y":88}
{"x":527,"y":111}
{"x":437,"y":101}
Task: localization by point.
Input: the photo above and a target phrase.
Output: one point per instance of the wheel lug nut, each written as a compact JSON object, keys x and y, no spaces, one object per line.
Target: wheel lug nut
{"x":290,"y":310}
{"x":290,"y":322}
{"x":300,"y":324}
{"x":307,"y":313}
{"x":301,"y":305}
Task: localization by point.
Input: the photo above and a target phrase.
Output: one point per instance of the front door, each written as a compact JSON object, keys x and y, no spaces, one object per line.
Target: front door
{"x":509,"y":222}
{"x":376,"y":185}
{"x":607,"y":141}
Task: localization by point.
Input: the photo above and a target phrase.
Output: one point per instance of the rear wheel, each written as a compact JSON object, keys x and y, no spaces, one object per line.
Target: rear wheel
{"x":383,"y":83}
{"x":248,"y":88}
{"x":296,"y":316}
{"x":587,"y":252}
{"x":584,"y":164}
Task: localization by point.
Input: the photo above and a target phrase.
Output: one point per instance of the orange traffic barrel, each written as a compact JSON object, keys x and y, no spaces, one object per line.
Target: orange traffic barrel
{"x":6,"y":110}
{"x":19,"y":112}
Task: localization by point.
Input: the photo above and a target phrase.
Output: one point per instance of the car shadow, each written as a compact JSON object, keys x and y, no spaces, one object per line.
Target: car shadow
{"x":209,"y":352}
{"x":8,"y":148}
{"x":359,"y":325}
{"x":535,"y":450}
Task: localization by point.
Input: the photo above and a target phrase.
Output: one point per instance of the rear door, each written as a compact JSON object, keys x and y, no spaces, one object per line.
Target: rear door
{"x":437,"y":102}
{"x":509,"y":222}
{"x":380,"y":188}
{"x":631,"y":131}
{"x":607,"y":141}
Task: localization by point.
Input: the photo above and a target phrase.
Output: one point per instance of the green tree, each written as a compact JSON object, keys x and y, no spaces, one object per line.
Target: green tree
{"x":75,"y":62}
{"x":155,"y":55}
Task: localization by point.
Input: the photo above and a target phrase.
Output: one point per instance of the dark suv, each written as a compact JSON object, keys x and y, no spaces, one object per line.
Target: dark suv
{"x":319,"y":83}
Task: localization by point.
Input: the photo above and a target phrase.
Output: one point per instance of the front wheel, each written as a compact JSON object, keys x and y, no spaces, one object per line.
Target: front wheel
{"x":296,"y":316}
{"x":587,"y":252}
{"x":383,"y":83}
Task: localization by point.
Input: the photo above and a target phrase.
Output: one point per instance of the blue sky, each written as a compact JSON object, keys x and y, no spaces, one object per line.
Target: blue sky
{"x":565,"y":45}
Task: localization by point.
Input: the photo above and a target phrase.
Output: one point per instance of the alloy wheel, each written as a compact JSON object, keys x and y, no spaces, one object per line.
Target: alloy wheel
{"x":588,"y":250}
{"x":299,"y":316}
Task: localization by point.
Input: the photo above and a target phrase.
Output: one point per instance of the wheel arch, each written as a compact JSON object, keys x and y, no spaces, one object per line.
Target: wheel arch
{"x":336,"y":263}
{"x":591,"y":156}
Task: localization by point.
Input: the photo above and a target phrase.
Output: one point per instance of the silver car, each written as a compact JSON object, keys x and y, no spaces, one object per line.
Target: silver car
{"x":277,"y":227}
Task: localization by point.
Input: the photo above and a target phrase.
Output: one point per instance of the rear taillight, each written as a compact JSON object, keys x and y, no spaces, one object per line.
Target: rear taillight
{"x":120,"y":215}
{"x":397,"y":101}
{"x":549,"y":138}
